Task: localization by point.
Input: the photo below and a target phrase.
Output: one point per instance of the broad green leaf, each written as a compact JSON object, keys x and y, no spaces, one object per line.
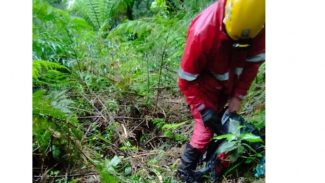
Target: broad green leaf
{"x":228,"y":136}
{"x":172,"y":126}
{"x":115,"y":161}
{"x":111,"y":164}
{"x":227,"y":146}
{"x":250,"y":137}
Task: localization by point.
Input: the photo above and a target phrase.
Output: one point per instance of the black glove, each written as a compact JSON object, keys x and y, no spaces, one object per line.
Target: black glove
{"x":211,"y":120}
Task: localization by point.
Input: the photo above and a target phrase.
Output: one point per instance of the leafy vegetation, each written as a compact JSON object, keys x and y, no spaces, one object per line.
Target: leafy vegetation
{"x":106,"y":106}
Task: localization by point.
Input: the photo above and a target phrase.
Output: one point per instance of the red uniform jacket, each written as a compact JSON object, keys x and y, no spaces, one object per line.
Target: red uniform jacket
{"x":212,"y":64}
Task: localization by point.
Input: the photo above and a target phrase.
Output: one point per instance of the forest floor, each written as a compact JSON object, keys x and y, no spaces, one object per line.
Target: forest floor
{"x":157,"y":156}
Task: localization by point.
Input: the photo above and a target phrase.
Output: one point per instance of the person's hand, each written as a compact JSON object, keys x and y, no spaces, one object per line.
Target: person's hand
{"x":234,"y":105}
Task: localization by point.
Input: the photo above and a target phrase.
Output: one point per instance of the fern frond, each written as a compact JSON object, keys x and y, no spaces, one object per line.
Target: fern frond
{"x":141,"y":27}
{"x":94,"y":12}
{"x":42,"y":107}
{"x":119,"y":6}
{"x":41,"y":66}
{"x":54,"y":106}
{"x":101,"y":12}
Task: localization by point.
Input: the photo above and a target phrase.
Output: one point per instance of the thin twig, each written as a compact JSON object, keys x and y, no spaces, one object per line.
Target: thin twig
{"x":160,"y":69}
{"x":163,"y":111}
{"x":125,"y":132}
{"x":151,"y":145}
{"x":126,"y":117}
{"x":104,"y":108}
{"x":63,"y":176}
{"x":138,"y":126}
{"x":140,"y":155}
{"x":88,"y":130}
{"x":86,"y":117}
{"x":100,"y":113}
{"x":116,"y":117}
{"x":152,"y":139}
{"x":66,"y":177}
{"x":89,"y":159}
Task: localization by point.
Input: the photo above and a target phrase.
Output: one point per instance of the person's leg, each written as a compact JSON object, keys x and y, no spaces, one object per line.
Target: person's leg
{"x":201,"y":135}
{"x":194,"y":149}
{"x":189,"y":160}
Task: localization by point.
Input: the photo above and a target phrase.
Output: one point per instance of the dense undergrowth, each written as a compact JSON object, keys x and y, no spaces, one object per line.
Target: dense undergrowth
{"x":106,"y":107}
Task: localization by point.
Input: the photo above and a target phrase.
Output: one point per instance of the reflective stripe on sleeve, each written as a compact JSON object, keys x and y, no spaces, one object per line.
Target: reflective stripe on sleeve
{"x":257,"y":58}
{"x":221,"y":77}
{"x":186,"y":75}
{"x":200,"y":107}
{"x":238,"y":71}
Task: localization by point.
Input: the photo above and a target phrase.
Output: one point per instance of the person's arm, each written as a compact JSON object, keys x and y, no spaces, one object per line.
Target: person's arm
{"x":192,"y":64}
{"x":256,"y":57}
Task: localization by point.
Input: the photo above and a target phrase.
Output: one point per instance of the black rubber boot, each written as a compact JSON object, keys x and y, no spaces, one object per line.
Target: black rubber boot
{"x":189,"y":161}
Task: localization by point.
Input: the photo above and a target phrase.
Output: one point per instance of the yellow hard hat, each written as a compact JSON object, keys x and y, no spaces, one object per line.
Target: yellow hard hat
{"x":244,"y":19}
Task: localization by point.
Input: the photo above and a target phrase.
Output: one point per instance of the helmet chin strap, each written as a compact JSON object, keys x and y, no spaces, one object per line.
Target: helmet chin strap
{"x":243,"y":43}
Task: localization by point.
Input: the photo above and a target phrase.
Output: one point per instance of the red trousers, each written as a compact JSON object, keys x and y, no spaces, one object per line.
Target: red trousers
{"x":202,"y":135}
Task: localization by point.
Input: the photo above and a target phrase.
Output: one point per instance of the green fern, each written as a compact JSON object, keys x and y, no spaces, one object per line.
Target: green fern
{"x":101,"y":12}
{"x":94,"y":12}
{"x":54,"y":128}
{"x":42,"y":108}
{"x":40,"y":67}
{"x":141,"y":27}
{"x":119,"y":6}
